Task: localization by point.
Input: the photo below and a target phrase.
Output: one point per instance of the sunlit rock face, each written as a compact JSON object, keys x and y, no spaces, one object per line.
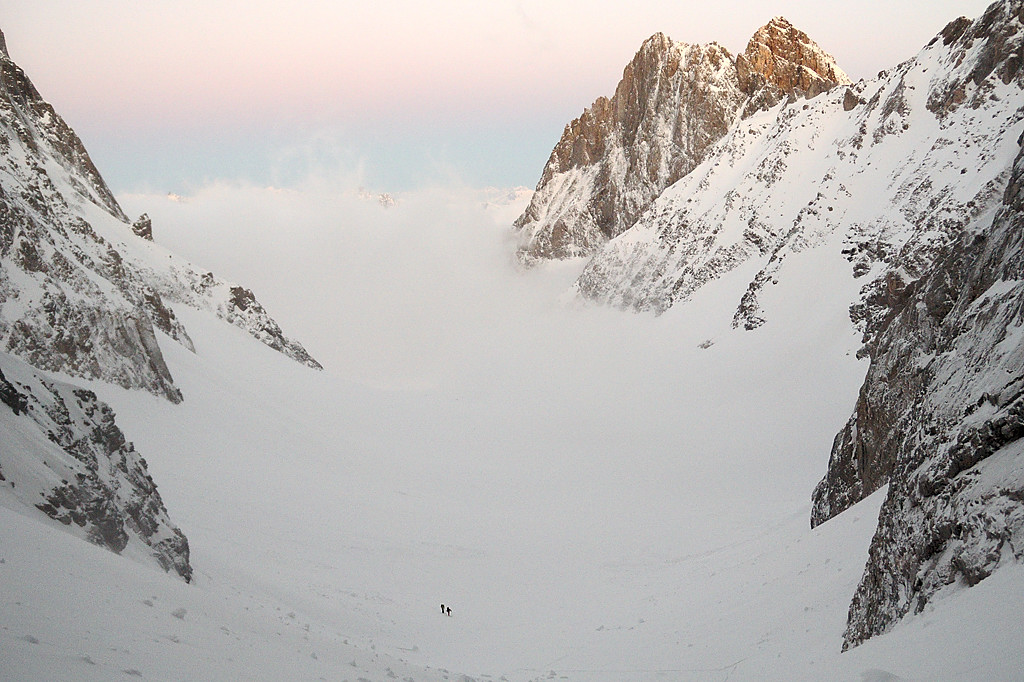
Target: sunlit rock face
{"x":782,"y":61}
{"x":673,"y":103}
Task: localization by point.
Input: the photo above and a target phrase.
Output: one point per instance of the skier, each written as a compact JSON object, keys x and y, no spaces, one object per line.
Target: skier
{"x":442,"y":609}
{"x":449,"y":612}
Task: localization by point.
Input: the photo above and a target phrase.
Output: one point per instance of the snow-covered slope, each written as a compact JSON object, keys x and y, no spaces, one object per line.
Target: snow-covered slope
{"x":80,"y":292}
{"x":600,"y":496}
{"x":673,"y":103}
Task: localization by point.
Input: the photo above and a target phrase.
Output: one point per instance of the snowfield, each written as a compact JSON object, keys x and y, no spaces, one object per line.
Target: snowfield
{"x":597,"y":495}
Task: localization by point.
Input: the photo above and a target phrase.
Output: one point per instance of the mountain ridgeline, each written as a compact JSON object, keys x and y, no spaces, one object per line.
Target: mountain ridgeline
{"x":911,"y":182}
{"x":86,"y":293}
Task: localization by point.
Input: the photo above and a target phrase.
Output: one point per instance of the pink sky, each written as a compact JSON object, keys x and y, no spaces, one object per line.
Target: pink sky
{"x":439,"y":77}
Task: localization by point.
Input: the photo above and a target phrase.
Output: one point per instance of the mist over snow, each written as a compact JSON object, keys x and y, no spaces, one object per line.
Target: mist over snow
{"x":477,"y":410}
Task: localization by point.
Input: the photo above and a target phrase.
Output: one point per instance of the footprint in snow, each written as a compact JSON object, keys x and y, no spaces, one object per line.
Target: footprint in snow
{"x":179,"y":613}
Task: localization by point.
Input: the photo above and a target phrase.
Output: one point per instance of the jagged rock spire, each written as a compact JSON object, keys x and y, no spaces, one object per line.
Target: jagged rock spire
{"x":782,"y":61}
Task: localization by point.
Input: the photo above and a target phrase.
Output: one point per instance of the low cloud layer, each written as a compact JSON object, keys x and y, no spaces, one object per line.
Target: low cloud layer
{"x":423,"y":298}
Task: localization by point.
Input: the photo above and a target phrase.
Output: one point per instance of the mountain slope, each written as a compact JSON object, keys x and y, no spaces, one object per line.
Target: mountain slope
{"x":63,"y":454}
{"x":894,"y":165}
{"x":673,"y":103}
{"x":941,"y":419}
{"x":940,"y":416}
{"x":86,"y":294}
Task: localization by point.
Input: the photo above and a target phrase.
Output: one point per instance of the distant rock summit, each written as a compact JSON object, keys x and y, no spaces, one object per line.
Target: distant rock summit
{"x":673,"y":103}
{"x":911,"y":184}
{"x":83,"y":295}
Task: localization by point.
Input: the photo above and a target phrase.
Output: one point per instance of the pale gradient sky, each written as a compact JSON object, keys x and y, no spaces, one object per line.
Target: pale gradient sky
{"x":168,"y":94}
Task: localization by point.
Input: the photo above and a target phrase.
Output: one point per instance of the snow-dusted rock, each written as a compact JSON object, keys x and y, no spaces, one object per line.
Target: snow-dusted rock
{"x":79,"y":292}
{"x":143,"y":226}
{"x":62,"y":452}
{"x":953,"y":455}
{"x":673,"y":103}
{"x":82,"y":294}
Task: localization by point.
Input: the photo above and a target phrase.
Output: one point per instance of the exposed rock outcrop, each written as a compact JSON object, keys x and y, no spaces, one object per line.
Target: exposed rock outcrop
{"x":143,"y":227}
{"x":782,"y":61}
{"x":941,"y":419}
{"x":673,"y":103}
{"x":64,"y":454}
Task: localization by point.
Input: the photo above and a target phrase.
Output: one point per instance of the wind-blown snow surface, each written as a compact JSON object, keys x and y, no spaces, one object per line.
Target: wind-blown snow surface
{"x":598,"y":496}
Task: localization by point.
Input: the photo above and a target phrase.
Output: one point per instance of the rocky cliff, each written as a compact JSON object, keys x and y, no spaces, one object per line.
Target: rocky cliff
{"x":940,"y":416}
{"x":62,"y":453}
{"x":82,"y":294}
{"x":673,"y":103}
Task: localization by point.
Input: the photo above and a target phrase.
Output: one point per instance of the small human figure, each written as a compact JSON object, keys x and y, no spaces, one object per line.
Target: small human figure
{"x":449,"y":612}
{"x":442,"y":609}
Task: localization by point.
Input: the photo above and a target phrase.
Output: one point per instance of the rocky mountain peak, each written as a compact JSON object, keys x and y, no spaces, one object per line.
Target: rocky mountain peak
{"x":658,"y":43}
{"x":3,"y":45}
{"x":784,"y":59}
{"x":674,"y":102}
